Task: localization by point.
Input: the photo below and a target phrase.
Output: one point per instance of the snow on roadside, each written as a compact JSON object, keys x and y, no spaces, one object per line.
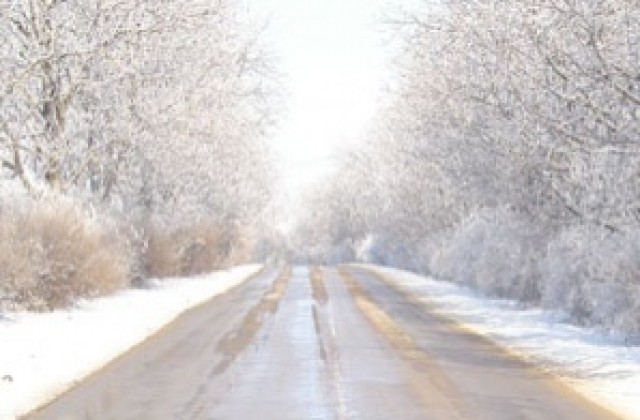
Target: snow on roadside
{"x":41,"y":355}
{"x":602,"y":370}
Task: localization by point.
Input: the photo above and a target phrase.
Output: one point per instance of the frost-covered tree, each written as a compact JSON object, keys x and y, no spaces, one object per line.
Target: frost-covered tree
{"x":160,"y":105}
{"x":206,"y":108}
{"x":63,"y":65}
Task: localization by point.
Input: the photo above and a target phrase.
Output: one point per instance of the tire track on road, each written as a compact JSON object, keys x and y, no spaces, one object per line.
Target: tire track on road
{"x":430,"y":384}
{"x":328,"y":347}
{"x":235,"y":342}
{"x":159,"y":378}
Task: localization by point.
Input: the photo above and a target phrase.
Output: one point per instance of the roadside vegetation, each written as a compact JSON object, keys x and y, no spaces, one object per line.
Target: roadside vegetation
{"x":132,"y":144}
{"x":506,"y":158}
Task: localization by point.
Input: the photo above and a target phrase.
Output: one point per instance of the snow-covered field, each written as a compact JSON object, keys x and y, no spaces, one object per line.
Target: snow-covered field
{"x":594,"y":365}
{"x":41,"y":355}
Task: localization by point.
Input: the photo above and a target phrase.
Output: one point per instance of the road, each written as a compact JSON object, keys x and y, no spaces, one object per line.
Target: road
{"x":317,"y":344}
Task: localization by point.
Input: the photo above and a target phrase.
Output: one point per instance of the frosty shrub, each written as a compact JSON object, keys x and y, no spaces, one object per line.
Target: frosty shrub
{"x":52,"y":252}
{"x":192,"y":250}
{"x":593,"y":276}
{"x":495,"y":251}
{"x":587,"y":273}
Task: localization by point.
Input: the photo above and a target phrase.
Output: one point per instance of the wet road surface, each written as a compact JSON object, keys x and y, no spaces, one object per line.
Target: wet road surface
{"x":317,"y":344}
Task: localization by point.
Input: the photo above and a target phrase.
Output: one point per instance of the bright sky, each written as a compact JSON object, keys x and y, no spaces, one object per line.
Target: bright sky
{"x":333,"y":59}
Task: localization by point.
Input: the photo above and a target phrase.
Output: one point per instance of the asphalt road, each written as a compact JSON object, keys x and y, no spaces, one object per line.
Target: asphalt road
{"x":318,"y":344}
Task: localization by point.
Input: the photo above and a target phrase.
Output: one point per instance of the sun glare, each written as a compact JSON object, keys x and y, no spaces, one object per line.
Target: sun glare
{"x":334,"y":68}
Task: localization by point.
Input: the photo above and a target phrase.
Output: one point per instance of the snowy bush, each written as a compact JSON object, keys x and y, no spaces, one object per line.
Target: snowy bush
{"x":53,"y":251}
{"x":184,"y":250}
{"x":495,"y":251}
{"x":588,"y":273}
{"x":593,"y":276}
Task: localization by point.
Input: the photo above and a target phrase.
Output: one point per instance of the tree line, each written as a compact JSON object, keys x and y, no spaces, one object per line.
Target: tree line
{"x":150,"y":116}
{"x":506,"y":157}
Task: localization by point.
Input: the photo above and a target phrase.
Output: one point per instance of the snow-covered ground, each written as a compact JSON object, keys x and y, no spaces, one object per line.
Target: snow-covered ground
{"x":41,"y":355}
{"x":602,"y":370}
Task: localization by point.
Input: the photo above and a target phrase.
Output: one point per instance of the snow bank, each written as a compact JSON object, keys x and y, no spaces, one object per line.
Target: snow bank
{"x":590,"y":362}
{"x":41,"y":355}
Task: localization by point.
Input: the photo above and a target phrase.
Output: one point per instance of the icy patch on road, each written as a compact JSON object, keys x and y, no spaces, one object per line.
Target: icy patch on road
{"x":41,"y":355}
{"x":604,"y":371}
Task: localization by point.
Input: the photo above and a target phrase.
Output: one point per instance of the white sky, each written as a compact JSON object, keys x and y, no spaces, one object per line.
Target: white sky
{"x":333,"y":60}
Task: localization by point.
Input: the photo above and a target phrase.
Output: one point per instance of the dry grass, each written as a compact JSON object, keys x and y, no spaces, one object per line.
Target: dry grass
{"x":193,"y":250}
{"x":52,"y":252}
